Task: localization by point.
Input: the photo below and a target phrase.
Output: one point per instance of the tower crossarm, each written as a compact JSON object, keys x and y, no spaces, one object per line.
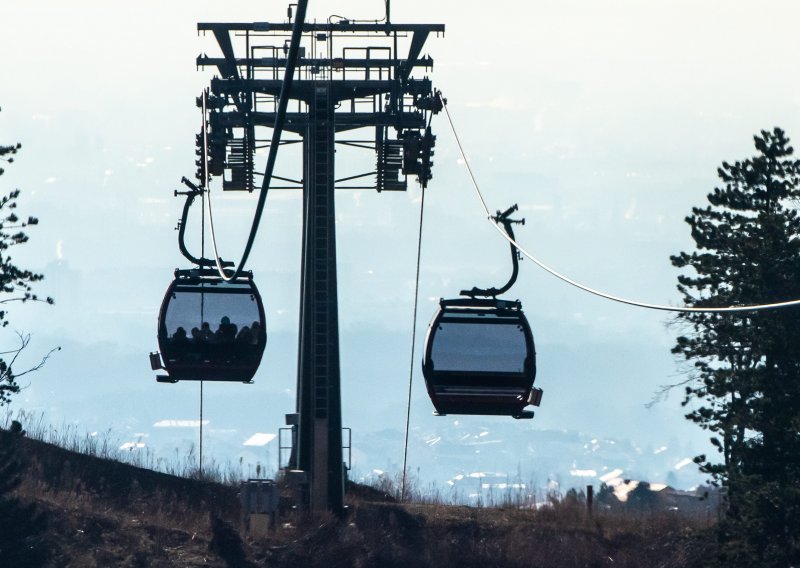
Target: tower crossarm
{"x":303,"y":89}
{"x":223,"y":64}
{"x":297,"y":121}
{"x":373,"y":75}
{"x":341,"y":26}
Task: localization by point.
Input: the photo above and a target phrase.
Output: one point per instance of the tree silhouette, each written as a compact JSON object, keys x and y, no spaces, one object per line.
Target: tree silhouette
{"x":21,"y":527}
{"x":745,"y":383}
{"x":642,"y":498}
{"x":15,"y":282}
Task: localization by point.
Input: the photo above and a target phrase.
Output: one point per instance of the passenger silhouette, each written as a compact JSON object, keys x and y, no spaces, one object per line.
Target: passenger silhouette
{"x":227,"y":330}
{"x":245,"y":336}
{"x":244,"y":344}
{"x":179,"y":338}
{"x":255,"y":332}
{"x":206,"y":335}
{"x":196,"y":345}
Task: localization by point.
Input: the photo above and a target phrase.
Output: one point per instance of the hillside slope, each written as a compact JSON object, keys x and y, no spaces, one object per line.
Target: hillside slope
{"x":97,"y":512}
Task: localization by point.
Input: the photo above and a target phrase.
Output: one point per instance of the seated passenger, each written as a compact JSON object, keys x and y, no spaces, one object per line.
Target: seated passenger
{"x":179,"y":337}
{"x":245,"y":336}
{"x":255,"y":332}
{"x":179,"y":342}
{"x":206,"y":335}
{"x":227,"y":331}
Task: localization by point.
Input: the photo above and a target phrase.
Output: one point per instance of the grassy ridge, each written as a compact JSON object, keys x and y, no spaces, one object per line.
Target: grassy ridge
{"x":101,"y":512}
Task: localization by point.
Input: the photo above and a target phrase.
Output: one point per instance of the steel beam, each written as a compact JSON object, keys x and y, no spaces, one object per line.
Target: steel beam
{"x":280,"y":62}
{"x":319,"y":27}
{"x":319,"y":377}
{"x":298,"y":121}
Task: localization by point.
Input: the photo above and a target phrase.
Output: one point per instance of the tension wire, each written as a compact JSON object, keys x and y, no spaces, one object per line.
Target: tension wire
{"x":607,"y":296}
{"x":280,"y":116}
{"x":413,"y":345}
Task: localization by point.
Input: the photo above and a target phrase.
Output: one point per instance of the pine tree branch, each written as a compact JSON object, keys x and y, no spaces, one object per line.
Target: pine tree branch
{"x":40,"y":364}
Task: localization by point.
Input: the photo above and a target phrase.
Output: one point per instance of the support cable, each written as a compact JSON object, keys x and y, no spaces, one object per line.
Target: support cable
{"x":413,"y":344}
{"x":203,"y":257}
{"x":277,"y":131}
{"x":200,"y":468}
{"x":607,"y":296}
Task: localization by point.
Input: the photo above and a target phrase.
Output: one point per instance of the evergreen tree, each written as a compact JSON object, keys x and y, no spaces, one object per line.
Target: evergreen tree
{"x":21,"y":527}
{"x":15,"y":282}
{"x":745,"y":383}
{"x":642,"y":499}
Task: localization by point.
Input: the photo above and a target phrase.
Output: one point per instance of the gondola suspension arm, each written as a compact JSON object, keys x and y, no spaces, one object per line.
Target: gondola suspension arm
{"x":193,"y":192}
{"x":502,"y":218}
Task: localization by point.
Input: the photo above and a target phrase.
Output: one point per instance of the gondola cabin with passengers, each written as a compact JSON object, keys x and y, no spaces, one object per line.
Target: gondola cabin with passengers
{"x":480,"y":357}
{"x":210,"y":329}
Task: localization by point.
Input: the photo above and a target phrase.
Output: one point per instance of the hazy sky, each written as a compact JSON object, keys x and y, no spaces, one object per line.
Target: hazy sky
{"x":604,"y":120}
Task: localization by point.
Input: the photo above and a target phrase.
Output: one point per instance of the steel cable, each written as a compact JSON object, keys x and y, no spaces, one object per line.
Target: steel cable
{"x":542,"y":265}
{"x":413,"y":345}
{"x":283,"y":101}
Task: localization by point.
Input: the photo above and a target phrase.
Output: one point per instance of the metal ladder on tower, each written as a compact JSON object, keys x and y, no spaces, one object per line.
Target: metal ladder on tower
{"x":321,"y":117}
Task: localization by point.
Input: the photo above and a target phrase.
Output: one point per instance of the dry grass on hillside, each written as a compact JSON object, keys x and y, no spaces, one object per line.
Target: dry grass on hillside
{"x":104,"y":513}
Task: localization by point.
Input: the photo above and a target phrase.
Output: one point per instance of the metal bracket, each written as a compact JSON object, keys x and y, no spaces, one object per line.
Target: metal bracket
{"x":502,"y":217}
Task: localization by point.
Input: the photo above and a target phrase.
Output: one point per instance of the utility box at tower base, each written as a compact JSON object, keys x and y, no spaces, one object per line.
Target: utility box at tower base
{"x":259,"y":499}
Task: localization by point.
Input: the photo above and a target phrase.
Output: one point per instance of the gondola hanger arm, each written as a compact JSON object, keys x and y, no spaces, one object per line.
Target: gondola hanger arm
{"x":191,"y":194}
{"x":502,"y":218}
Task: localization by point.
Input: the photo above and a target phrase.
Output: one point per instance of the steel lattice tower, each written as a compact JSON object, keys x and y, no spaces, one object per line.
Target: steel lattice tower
{"x":349,"y":76}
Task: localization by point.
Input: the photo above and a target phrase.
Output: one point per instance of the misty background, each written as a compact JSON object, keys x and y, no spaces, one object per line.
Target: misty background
{"x":604,"y":121}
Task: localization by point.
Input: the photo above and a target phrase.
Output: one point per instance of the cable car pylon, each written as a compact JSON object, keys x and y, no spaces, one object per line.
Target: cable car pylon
{"x":345,"y":82}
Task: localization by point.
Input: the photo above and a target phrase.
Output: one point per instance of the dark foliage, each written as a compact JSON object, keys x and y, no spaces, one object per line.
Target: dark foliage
{"x":642,"y":498}
{"x":15,"y":282}
{"x":227,"y":543}
{"x":21,"y":526}
{"x":745,"y":384}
